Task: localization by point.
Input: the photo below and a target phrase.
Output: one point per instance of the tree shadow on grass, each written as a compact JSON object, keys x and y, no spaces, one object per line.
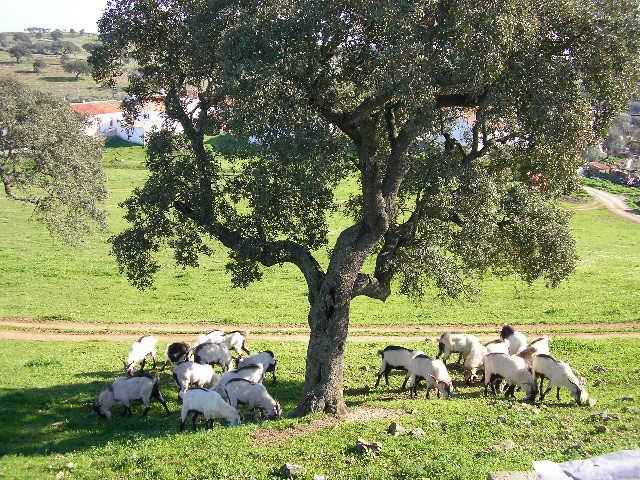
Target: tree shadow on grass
{"x":58,"y":419}
{"x":60,"y":79}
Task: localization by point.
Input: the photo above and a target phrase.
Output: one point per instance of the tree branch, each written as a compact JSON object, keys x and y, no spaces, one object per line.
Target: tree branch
{"x":268,"y":253}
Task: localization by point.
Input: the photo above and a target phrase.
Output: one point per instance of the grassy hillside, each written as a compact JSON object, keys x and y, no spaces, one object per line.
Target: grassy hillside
{"x":46,"y":423}
{"x":53,"y":78}
{"x":44,"y":279}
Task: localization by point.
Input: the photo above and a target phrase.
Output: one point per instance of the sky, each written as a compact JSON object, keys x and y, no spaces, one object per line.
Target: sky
{"x":64,"y":14}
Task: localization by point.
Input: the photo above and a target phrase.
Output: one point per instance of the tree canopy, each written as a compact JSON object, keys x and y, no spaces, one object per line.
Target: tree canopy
{"x":460,"y":122}
{"x":19,"y":51}
{"x":47,"y":161}
{"x":77,"y":67}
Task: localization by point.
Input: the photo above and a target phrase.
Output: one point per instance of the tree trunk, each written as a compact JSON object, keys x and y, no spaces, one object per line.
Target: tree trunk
{"x":329,"y":324}
{"x":325,"y":361}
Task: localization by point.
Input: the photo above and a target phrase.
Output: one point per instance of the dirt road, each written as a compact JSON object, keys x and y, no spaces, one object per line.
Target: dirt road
{"x":614,"y":203}
{"x":28,"y":329}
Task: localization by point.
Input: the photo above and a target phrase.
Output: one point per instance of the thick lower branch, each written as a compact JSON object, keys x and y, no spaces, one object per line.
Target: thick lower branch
{"x":268,"y":253}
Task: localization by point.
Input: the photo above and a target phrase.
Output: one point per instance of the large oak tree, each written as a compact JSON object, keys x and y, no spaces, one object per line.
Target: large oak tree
{"x":373,"y":93}
{"x":48,"y":163}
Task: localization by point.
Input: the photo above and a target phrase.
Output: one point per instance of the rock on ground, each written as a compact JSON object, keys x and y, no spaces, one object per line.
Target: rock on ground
{"x":512,"y":476}
{"x":370,"y":448}
{"x":290,"y":470}
{"x":396,"y":429}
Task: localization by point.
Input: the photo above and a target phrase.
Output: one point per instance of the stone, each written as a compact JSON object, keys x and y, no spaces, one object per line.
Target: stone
{"x":571,"y":448}
{"x":628,"y":398}
{"x":290,"y":470}
{"x":369,"y":448}
{"x":319,"y":477}
{"x":599,"y":369}
{"x":70,"y":465}
{"x":396,"y":429}
{"x":603,"y":415}
{"x":592,"y":402}
{"x":601,"y":429}
{"x":434,"y":422}
{"x":535,"y":411}
{"x":60,"y":475}
{"x":512,"y":476}
{"x":505,"y":446}
{"x":417,"y":432}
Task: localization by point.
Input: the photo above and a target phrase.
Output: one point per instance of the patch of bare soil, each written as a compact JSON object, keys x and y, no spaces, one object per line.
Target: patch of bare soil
{"x":269,"y":436}
{"x":197,"y":328}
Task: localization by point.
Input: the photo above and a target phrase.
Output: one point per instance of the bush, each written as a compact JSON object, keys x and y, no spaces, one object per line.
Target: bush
{"x":39,"y":66}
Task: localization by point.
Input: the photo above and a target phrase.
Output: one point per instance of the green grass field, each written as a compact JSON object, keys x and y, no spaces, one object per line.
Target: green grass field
{"x":43,"y":279}
{"x":46,"y":424}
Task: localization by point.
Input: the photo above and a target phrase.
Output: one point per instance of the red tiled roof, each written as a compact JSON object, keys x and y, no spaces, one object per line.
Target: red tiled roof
{"x":600,"y":165}
{"x":97,"y":108}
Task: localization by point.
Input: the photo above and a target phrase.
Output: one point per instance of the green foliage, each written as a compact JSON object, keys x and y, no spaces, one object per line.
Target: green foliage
{"x":77,"y":67}
{"x":21,"y":37}
{"x":57,"y":35}
{"x":461,"y":435}
{"x":39,"y":66}
{"x":351,"y":90}
{"x":19,"y":51}
{"x":48,"y":162}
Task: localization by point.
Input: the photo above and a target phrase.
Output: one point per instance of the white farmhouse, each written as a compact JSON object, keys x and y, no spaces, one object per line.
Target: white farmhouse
{"x":106,"y":119}
{"x":103,"y":117}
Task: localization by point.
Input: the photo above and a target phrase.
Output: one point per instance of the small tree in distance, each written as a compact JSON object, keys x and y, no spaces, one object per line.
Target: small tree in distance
{"x":39,"y":65}
{"x":56,"y":35}
{"x":19,"y":52}
{"x":372,"y":94}
{"x":78,"y":67}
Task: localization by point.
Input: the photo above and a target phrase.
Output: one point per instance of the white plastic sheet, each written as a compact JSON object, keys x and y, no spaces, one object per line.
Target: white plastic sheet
{"x":624,"y":465}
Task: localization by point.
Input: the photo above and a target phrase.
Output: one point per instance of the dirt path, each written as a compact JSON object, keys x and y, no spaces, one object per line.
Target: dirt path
{"x":69,"y":331}
{"x":614,"y":203}
{"x":197,"y":328}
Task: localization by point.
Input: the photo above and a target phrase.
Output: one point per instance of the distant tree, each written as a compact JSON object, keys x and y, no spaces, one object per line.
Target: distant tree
{"x":4,"y":40}
{"x":57,"y":35}
{"x":72,"y":30}
{"x":82,"y":31}
{"x":77,"y":67}
{"x":39,"y":66}
{"x":67,"y":48}
{"x":19,"y":52}
{"x":47,"y":162}
{"x":90,"y":46}
{"x":21,"y":37}
{"x":39,"y":35}
{"x":370,"y":93}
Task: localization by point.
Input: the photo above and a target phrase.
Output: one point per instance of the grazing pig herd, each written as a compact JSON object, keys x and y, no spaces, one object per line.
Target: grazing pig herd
{"x":214,"y":396}
{"x":507,"y":363}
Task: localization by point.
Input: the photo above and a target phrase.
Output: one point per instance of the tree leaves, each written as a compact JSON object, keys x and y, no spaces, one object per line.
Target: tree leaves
{"x":46,"y":160}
